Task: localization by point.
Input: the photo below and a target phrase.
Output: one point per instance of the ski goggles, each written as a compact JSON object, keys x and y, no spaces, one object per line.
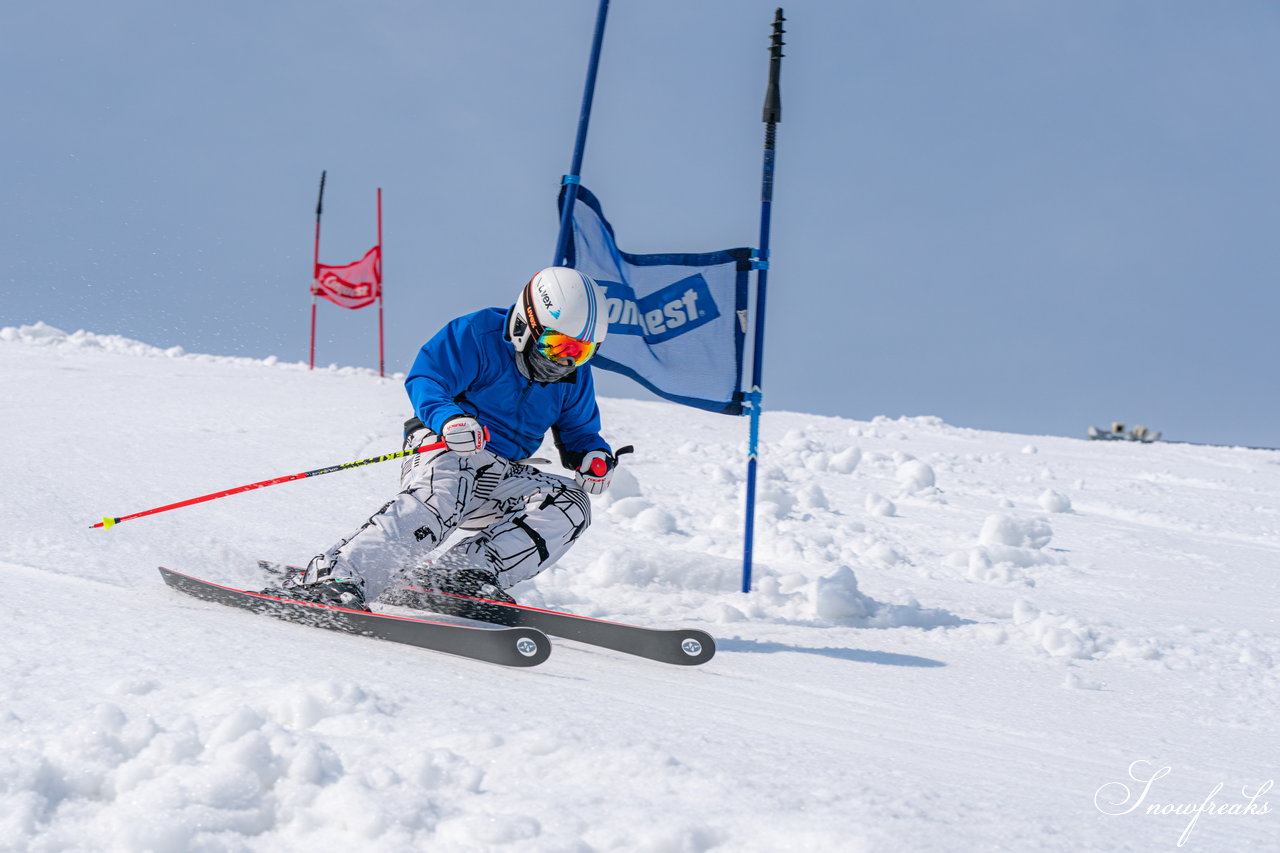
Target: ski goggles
{"x":558,"y":347}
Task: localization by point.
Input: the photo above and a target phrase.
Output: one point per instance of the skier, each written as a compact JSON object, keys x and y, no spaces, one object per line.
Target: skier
{"x":489,"y":385}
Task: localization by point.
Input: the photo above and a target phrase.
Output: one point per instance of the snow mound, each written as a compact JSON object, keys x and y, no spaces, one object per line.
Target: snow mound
{"x":835,"y":597}
{"x":1009,"y":531}
{"x":880,"y":506}
{"x":845,"y":461}
{"x":176,"y":781}
{"x":1007,"y":546}
{"x":914,"y":475}
{"x":43,"y":335}
{"x":1051,"y":501}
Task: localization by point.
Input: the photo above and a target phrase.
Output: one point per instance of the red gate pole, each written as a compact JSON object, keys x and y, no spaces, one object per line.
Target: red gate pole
{"x":381,"y":359}
{"x":315,"y":271}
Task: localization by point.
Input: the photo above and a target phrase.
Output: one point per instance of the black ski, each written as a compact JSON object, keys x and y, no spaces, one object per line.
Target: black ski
{"x":516,"y":645}
{"x":683,"y":646}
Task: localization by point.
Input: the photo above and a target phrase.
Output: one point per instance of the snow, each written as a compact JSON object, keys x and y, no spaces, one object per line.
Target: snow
{"x":1054,"y":501}
{"x":957,"y":640}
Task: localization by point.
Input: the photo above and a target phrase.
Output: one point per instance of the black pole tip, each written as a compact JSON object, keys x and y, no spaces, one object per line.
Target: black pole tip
{"x":773,"y":94}
{"x":776,"y":42}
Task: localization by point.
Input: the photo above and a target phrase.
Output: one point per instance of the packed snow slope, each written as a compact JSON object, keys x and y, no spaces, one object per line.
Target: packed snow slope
{"x":958,"y":640}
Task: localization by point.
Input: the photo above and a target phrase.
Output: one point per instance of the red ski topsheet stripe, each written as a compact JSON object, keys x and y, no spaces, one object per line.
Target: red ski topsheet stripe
{"x":312,"y":604}
{"x":501,"y":604}
{"x":515,"y":606}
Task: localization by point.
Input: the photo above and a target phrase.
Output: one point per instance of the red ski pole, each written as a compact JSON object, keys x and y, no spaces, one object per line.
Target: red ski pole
{"x":108,"y":523}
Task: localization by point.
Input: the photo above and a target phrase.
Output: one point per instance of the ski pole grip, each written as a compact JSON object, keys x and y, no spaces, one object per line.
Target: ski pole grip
{"x":600,"y":467}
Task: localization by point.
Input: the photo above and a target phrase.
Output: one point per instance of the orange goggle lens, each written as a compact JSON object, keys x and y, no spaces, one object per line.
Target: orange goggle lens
{"x":559,"y":347}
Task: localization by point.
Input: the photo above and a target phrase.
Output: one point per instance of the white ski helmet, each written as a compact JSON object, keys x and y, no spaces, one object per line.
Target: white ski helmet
{"x":563,"y":313}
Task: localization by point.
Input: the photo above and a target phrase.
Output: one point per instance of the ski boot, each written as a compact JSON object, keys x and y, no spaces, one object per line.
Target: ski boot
{"x":347,"y":594}
{"x":472,"y":583}
{"x":468,"y":584}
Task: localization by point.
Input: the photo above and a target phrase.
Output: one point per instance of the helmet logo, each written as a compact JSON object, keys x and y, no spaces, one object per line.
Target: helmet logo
{"x":546,"y":302}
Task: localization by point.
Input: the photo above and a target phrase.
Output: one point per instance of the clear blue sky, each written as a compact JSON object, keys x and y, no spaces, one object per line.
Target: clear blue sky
{"x":1018,"y":215}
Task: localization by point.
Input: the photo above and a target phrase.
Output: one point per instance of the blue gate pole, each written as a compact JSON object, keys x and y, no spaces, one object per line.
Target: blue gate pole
{"x":572,"y":180}
{"x":772,"y":116}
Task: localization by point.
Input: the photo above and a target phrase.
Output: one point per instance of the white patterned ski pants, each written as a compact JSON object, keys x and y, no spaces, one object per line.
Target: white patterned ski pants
{"x":525,"y":520}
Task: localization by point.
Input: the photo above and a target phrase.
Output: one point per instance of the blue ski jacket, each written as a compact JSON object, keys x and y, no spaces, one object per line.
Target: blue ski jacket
{"x":469,"y":367}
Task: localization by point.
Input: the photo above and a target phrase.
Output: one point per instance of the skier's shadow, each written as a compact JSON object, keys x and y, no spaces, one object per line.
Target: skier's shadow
{"x":856,"y":655}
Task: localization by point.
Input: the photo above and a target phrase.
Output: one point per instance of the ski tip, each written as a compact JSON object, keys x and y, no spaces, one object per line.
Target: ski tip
{"x":532,"y":645}
{"x":697,"y":646}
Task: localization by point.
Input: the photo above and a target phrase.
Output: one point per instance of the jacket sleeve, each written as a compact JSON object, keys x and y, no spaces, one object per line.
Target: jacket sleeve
{"x":577,"y":431}
{"x":446,"y":366}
